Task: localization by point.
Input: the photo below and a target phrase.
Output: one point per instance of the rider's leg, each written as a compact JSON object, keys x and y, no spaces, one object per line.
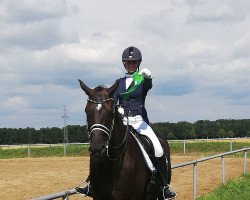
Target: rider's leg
{"x":161,"y":162}
{"x":87,"y":190}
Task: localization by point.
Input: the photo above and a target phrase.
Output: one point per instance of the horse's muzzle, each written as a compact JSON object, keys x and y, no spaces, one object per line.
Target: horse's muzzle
{"x":98,"y":150}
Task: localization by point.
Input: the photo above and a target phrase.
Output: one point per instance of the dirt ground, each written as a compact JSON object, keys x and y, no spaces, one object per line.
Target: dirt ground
{"x":27,"y":178}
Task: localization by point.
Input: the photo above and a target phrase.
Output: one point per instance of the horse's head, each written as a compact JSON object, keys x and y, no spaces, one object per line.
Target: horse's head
{"x":100,"y":111}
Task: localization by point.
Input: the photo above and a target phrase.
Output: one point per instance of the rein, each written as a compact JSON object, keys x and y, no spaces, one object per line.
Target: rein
{"x":122,"y":143}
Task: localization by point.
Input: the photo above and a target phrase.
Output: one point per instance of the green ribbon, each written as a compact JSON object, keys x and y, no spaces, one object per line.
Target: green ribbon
{"x":137,"y":81}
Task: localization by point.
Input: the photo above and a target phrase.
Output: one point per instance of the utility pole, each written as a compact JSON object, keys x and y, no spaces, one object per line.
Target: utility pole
{"x":65,"y":130}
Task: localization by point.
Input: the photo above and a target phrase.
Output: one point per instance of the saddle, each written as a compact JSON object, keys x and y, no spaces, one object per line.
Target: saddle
{"x":146,"y":147}
{"x":145,"y":141}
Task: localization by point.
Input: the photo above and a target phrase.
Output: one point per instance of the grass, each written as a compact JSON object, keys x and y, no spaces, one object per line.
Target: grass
{"x":13,"y":153}
{"x":71,"y":150}
{"x":205,"y":147}
{"x":233,"y":189}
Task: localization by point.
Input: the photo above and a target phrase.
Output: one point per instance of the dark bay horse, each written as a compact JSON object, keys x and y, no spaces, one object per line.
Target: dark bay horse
{"x":117,"y":168}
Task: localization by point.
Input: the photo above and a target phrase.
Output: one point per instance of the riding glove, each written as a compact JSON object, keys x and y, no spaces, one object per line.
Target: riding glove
{"x":146,"y":73}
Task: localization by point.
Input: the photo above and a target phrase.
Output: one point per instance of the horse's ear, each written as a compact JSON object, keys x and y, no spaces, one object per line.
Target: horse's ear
{"x":112,"y":89}
{"x":84,"y":87}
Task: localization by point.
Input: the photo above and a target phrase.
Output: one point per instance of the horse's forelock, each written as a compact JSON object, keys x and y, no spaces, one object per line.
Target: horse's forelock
{"x":99,"y":92}
{"x":100,"y":88}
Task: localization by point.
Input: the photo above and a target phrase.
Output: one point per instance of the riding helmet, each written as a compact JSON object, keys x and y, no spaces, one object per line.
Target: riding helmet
{"x":131,"y":53}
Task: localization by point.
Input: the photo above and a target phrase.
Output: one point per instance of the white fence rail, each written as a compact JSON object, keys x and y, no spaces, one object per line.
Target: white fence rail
{"x":65,"y":194}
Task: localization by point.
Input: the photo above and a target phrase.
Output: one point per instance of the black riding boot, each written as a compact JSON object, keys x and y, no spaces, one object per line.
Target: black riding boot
{"x":162,"y":171}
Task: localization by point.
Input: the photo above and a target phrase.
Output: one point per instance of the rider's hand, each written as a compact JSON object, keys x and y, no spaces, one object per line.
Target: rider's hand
{"x":121,"y":111}
{"x":146,"y":73}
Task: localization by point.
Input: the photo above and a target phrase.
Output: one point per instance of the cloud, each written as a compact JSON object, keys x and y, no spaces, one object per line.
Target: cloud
{"x":197,"y":52}
{"x":217,"y":11}
{"x":99,"y":47}
{"x":35,"y":36}
{"x":241,"y":47}
{"x":33,"y":25}
{"x":193,"y":107}
{"x":15,"y":102}
{"x":173,"y":84}
{"x":28,"y":11}
{"x":198,"y":48}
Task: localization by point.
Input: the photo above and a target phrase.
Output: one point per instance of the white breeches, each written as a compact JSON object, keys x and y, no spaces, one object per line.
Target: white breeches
{"x":143,"y":128}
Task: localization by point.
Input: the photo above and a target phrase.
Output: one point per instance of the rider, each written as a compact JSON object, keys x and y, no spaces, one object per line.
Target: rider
{"x":130,"y":95}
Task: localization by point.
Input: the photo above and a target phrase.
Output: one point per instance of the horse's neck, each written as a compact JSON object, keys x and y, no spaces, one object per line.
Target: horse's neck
{"x":110,"y":166}
{"x":116,"y":149}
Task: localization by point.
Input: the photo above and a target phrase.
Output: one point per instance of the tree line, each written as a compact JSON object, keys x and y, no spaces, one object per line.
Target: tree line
{"x":201,"y":129}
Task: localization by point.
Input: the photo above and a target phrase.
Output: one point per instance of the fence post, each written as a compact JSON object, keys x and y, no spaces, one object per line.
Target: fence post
{"x":195,"y":180}
{"x":65,"y":151}
{"x":222,"y":170}
{"x":231,"y":146}
{"x":184,"y":147}
{"x":29,"y":150}
{"x":245,"y":161}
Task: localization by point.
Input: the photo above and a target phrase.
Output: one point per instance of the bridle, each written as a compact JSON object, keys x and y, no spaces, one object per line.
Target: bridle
{"x":107,"y":130}
{"x":101,"y":127}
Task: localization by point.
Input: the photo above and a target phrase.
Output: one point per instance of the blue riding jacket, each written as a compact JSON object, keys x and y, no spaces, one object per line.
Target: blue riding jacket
{"x":135,"y":104}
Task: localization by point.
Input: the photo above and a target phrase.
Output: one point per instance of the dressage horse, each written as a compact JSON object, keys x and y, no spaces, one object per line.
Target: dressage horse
{"x":117,"y":167}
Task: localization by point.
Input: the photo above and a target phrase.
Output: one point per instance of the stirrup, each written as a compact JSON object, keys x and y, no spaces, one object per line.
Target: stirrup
{"x":168,"y":198}
{"x":81,"y":188}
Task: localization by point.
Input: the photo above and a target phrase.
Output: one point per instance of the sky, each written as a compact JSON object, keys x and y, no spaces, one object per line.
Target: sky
{"x":197,"y":50}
